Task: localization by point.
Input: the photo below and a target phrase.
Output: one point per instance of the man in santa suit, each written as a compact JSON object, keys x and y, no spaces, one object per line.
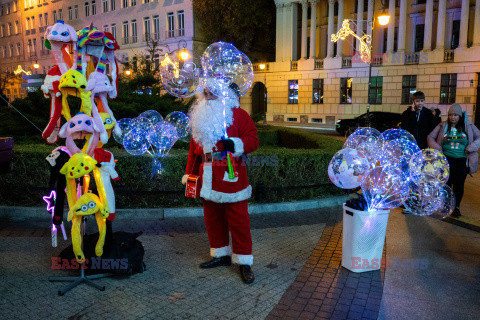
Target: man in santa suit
{"x":225,"y":197}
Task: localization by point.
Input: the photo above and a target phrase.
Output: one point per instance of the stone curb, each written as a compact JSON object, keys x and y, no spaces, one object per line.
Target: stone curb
{"x":39,"y":213}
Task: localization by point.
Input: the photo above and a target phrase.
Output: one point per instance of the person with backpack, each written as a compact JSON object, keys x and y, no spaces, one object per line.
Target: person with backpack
{"x":459,"y":140}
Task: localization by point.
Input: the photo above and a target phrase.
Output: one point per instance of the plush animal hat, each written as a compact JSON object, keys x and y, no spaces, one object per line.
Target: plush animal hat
{"x":112,"y":60}
{"x":57,"y":38}
{"x":50,"y":90}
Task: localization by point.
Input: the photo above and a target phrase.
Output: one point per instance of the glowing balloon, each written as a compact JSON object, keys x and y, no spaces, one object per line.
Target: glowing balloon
{"x":181,"y":122}
{"x":367,"y":146}
{"x":126,"y":124}
{"x":394,"y":134}
{"x":398,"y":153}
{"x":152,"y":115}
{"x":142,"y":123}
{"x":135,"y":142}
{"x":180,"y":72}
{"x":347,"y":168}
{"x":384,"y":188}
{"x":429,"y":165}
{"x":367,"y":131}
{"x":424,"y":198}
{"x":448,"y":200}
{"x":162,"y":135}
{"x":223,"y":64}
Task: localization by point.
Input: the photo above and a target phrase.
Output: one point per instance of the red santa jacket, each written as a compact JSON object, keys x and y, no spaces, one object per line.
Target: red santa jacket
{"x":216,"y":185}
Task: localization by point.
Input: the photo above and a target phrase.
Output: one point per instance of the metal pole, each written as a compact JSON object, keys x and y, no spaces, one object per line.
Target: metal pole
{"x":265,"y":101}
{"x":372,"y":23}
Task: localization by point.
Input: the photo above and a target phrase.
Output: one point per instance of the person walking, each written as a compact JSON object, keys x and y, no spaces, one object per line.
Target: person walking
{"x":418,"y":120}
{"x":224,"y":194}
{"x":459,"y":140}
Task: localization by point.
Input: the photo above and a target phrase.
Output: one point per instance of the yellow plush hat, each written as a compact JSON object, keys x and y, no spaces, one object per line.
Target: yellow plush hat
{"x":79,"y":165}
{"x":73,"y":83}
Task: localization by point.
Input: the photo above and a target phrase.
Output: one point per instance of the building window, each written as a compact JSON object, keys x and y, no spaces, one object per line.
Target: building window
{"x":45,"y":18}
{"x":70,"y":13}
{"x":32,"y":21}
{"x":27,"y":27}
{"x":11,"y":50}
{"x":19,"y":49}
{"x":448,"y":88}
{"x":60,"y":14}
{"x":34,"y":47}
{"x":17,"y":27}
{"x":134,"y":31}
{"x":10,"y":29}
{"x":409,"y":86}
{"x":105,"y":5}
{"x":346,"y":90}
{"x":317,"y":92}
{"x":181,"y":23}
{"x":419,"y":32}
{"x":114,"y":30}
{"x":94,"y":7}
{"x":15,"y":6}
{"x":134,"y":3}
{"x":292,"y":91}
{"x":146,"y":1}
{"x":76,"y":11}
{"x":54,"y":16}
{"x":146,"y":27}
{"x":125,"y":32}
{"x":87,"y":9}
{"x":455,"y":34}
{"x":124,"y":3}
{"x":112,"y":5}
{"x":171,"y":25}
{"x":375,"y":90}
{"x":105,"y":28}
{"x":156,"y":27}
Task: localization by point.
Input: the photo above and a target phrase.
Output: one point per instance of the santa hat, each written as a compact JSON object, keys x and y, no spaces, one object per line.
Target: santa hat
{"x":112,"y":60}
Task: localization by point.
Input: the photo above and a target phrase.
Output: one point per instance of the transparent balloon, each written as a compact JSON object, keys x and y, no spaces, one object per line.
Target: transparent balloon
{"x":367,"y":131}
{"x":424,"y":198}
{"x":429,"y":165}
{"x":448,"y":200}
{"x":384,"y":188}
{"x":163,"y":136}
{"x":367,"y":146}
{"x":347,"y":168}
{"x":152,"y":115}
{"x":135,"y":142}
{"x":393,"y":134}
{"x":142,"y":123}
{"x":126,"y":124}
{"x":224,"y":65}
{"x":180,"y":72}
{"x":181,"y":122}
{"x":398,"y":153}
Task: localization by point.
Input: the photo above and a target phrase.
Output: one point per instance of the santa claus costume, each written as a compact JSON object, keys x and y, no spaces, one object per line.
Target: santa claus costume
{"x":224,"y":198}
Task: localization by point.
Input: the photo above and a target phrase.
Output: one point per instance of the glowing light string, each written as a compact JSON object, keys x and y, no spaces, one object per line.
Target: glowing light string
{"x":365,"y":40}
{"x":20,"y":70}
{"x":50,"y":200}
{"x":167,"y":61}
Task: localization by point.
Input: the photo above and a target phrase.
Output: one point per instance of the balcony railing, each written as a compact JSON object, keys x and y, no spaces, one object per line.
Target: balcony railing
{"x":294,"y":65}
{"x":448,"y":55}
{"x":377,"y":61}
{"x":129,"y":40}
{"x":44,"y":52}
{"x":151,"y":36}
{"x":346,"y":62}
{"x":412,"y":58}
{"x":256,"y":67}
{"x":318,"y":64}
{"x":174,"y":33}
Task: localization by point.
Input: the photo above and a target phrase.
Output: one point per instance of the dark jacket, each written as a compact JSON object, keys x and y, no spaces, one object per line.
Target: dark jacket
{"x":420,"y":127}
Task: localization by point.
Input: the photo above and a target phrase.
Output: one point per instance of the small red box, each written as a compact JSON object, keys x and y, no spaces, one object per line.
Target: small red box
{"x":192,"y":189}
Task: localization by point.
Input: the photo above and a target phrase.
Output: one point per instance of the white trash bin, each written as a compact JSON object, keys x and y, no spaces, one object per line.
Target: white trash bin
{"x":363,"y":239}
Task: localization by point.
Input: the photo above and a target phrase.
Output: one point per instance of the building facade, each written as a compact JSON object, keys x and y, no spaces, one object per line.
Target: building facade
{"x":428,"y":45}
{"x":132,"y":22}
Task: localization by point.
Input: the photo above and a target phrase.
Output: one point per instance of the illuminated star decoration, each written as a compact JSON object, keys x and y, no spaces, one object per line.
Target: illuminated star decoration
{"x":50,"y":200}
{"x":167,"y":61}
{"x":20,"y":70}
{"x":365,"y":40}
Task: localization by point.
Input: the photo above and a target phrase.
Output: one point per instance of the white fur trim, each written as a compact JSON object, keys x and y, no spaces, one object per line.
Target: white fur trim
{"x":221,"y":252}
{"x":217,"y":196}
{"x":184,"y":178}
{"x":238,"y":145}
{"x":242,"y":259}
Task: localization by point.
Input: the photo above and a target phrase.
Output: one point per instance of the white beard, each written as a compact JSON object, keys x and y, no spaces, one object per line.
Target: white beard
{"x":208,"y":122}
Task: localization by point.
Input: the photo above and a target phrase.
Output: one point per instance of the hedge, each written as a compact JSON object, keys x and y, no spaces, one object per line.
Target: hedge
{"x":277,"y":174}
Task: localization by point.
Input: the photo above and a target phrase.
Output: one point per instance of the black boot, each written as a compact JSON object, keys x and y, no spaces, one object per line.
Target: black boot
{"x":247,"y":273}
{"x":217,"y":262}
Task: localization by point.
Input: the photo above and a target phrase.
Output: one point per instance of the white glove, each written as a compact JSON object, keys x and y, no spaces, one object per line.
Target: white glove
{"x":184,"y":179}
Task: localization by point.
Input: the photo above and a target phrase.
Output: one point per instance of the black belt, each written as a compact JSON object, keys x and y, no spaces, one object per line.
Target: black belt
{"x":214,"y":156}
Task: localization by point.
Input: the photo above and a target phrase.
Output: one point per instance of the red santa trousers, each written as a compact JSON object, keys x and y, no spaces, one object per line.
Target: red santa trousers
{"x":220,"y":218}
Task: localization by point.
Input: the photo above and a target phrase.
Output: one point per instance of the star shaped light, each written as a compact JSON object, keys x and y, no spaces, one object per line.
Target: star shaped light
{"x":50,"y":200}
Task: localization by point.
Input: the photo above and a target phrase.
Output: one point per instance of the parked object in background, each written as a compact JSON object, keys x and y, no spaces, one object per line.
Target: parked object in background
{"x":377,"y":119}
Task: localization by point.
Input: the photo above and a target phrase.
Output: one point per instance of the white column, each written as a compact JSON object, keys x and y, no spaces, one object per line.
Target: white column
{"x":360,"y":10}
{"x":304,"y":28}
{"x":313,"y":29}
{"x":476,"y":34}
{"x":279,"y":34}
{"x":464,"y":24}
{"x":370,"y":17}
{"x":402,"y":25}
{"x":339,"y":26}
{"x":427,"y":36}
{"x":391,"y":26}
{"x":442,"y":9}
{"x":331,"y":4}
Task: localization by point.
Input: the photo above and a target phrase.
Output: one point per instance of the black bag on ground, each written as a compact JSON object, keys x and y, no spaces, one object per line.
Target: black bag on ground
{"x":122,"y":254}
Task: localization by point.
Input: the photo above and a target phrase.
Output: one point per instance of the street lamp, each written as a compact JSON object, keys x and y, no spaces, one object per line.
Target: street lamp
{"x":36,"y":65}
{"x":128,"y":73}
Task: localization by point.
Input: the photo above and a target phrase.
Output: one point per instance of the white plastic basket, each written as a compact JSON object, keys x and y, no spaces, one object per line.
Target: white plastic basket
{"x":363,"y":239}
